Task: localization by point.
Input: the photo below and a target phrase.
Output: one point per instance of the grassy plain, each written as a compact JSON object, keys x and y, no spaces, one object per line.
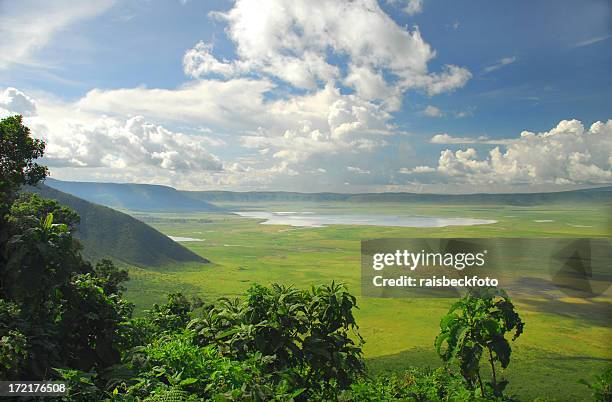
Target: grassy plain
{"x":565,"y":338}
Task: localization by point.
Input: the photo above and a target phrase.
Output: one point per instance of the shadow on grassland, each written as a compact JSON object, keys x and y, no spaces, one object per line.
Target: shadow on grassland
{"x":588,"y":311}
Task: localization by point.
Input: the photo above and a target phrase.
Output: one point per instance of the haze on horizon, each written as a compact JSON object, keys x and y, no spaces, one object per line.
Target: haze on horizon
{"x":313,"y":96}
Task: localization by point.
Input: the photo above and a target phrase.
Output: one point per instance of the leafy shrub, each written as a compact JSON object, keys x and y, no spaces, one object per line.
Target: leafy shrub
{"x":601,"y":389}
{"x":476,"y":323}
{"x":309,"y":334}
{"x":174,"y":362}
{"x":441,"y":384}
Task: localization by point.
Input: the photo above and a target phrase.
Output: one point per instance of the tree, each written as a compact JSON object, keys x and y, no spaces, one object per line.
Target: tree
{"x":56,"y":309}
{"x":17,"y":167}
{"x":310,"y":335}
{"x":18,"y":150}
{"x":476,"y":324}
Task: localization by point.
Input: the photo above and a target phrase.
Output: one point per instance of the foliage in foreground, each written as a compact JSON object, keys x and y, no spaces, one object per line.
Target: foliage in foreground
{"x":601,"y":388}
{"x":478,"y":324}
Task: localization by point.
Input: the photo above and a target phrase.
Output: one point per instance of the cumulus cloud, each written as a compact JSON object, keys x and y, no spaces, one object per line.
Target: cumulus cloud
{"x":567,"y":154}
{"x":451,"y":78}
{"x":200,"y":61}
{"x":13,"y":101}
{"x":324,"y":121}
{"x":28,"y":25}
{"x":90,"y":136}
{"x":291,"y":40}
{"x":117,"y":143}
{"x":309,"y":84}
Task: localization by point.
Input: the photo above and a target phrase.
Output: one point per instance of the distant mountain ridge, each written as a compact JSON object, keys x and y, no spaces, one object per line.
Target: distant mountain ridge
{"x":104,"y":232}
{"x":149,"y":197}
{"x":600,"y":194}
{"x":134,"y":197}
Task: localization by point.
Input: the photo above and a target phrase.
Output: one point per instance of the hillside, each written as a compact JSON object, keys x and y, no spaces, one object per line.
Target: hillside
{"x":134,"y":197}
{"x":105,"y":232}
{"x":599,"y":195}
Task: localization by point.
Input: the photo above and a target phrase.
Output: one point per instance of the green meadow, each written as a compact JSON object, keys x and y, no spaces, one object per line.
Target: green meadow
{"x":565,"y":338}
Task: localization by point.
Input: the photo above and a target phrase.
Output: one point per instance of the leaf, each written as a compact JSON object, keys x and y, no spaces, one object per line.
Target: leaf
{"x":439,"y":341}
{"x":491,"y":326}
{"x":48,"y":221}
{"x":447,"y":320}
{"x":228,"y":333}
{"x":188,"y":381}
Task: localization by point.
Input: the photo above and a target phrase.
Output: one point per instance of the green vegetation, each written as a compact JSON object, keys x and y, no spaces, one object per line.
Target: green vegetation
{"x":476,"y":323}
{"x":106,"y":233}
{"x":56,"y":310}
{"x":567,"y":339}
{"x":602,"y":387}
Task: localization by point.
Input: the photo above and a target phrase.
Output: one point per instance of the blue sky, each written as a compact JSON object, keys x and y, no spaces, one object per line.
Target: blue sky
{"x":401,"y":95}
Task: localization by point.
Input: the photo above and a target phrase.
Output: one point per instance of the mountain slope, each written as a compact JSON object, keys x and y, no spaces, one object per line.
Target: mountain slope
{"x":135,"y":197}
{"x":105,"y":232}
{"x":601,"y":195}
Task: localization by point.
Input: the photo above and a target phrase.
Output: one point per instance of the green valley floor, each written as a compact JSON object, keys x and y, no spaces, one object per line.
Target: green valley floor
{"x":565,"y":338}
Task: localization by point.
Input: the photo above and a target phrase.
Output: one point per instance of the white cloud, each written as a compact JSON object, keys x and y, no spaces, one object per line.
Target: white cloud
{"x":324,"y":121}
{"x":13,"y":101}
{"x":451,"y":78}
{"x":28,"y":25}
{"x":358,"y":170}
{"x":96,"y":135}
{"x":410,"y":7}
{"x":500,"y":63}
{"x":567,"y":154}
{"x":200,"y":61}
{"x":592,"y":41}
{"x":311,"y":85}
{"x":432,"y":111}
{"x":445,"y":138}
{"x":292,"y":40}
{"x":117,"y":143}
{"x":417,"y":169}
{"x":230,"y":104}
{"x":413,"y":7}
{"x":78,"y":139}
{"x":464,"y":113}
{"x":370,"y":84}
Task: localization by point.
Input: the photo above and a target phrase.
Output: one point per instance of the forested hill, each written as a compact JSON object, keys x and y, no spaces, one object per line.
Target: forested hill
{"x":599,"y":195}
{"x":134,"y":197}
{"x":105,"y":232}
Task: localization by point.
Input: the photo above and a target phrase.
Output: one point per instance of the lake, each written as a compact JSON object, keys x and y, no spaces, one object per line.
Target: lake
{"x":314,"y":220}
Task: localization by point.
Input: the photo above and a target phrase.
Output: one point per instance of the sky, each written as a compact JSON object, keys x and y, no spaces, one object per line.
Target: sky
{"x":312,"y":95}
